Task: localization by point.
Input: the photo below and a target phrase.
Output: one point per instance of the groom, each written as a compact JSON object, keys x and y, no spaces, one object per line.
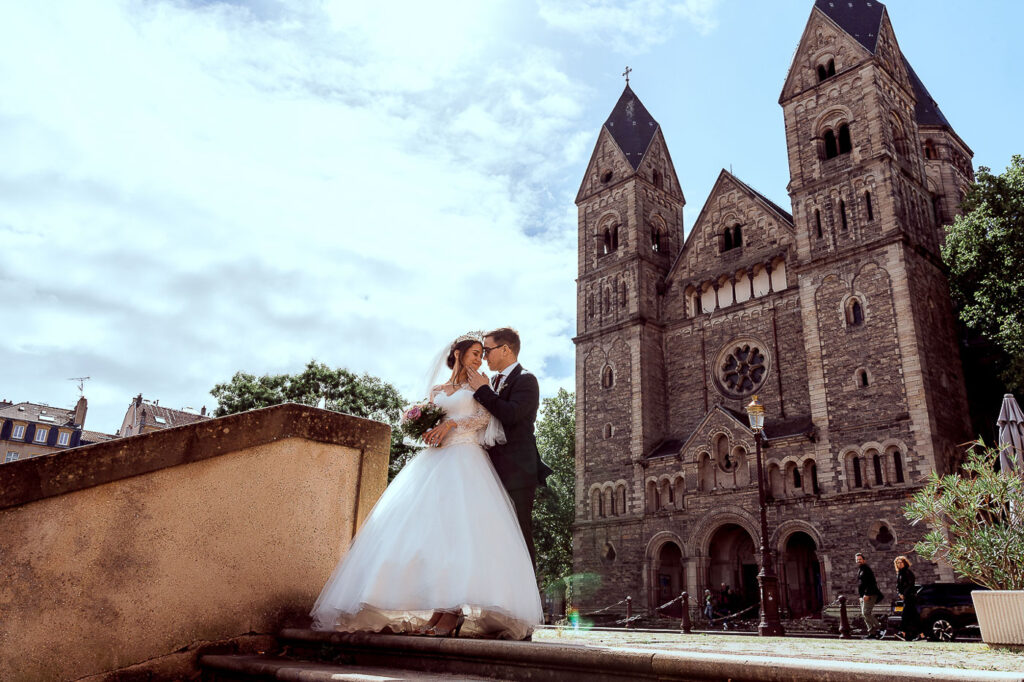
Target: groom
{"x":513,"y":397}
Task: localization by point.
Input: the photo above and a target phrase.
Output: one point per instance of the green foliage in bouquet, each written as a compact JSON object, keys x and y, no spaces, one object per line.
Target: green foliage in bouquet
{"x":976,"y":519}
{"x":419,"y":419}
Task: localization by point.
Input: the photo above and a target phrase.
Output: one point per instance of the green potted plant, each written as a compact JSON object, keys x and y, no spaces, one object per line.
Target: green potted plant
{"x":977,"y":526}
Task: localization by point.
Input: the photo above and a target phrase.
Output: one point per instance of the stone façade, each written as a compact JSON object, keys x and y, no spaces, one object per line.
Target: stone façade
{"x":837,"y":316}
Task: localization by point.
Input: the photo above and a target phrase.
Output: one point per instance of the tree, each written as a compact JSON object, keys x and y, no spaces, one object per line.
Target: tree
{"x":975,"y":521}
{"x":341,"y":390}
{"x":984,"y":250}
{"x":554,"y":510}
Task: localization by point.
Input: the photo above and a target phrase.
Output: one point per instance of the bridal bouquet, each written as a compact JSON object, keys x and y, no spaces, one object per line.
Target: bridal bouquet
{"x":419,"y":419}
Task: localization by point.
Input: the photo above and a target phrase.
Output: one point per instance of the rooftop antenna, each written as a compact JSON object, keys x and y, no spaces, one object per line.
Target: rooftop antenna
{"x":626,"y":74}
{"x":81,"y":384}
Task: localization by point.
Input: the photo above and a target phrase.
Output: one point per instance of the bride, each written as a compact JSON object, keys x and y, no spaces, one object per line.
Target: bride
{"x":441,"y":552}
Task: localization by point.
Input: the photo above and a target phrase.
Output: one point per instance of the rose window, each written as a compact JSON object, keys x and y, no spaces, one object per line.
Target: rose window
{"x":742,"y":368}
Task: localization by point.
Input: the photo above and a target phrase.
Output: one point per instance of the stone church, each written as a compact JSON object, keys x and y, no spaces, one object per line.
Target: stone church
{"x":836,"y":315}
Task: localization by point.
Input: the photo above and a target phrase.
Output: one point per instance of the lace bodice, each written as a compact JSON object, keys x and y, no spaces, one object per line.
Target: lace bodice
{"x":469,"y":416}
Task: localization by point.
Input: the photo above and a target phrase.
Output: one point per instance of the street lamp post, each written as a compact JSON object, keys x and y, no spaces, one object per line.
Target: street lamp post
{"x":770,"y":626}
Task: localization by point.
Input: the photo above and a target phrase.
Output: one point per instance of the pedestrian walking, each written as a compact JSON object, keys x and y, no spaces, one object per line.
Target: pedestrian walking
{"x":906,"y":590}
{"x":867,"y":588}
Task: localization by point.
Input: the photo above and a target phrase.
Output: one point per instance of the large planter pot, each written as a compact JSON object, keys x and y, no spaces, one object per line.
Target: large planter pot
{"x":1000,"y":615}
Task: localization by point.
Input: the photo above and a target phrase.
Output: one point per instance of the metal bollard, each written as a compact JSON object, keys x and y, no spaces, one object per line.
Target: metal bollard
{"x":685,"y":625}
{"x":844,"y":620}
{"x":629,"y":611}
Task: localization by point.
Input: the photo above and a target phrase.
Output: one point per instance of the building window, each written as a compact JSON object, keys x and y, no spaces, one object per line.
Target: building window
{"x":63,"y":438}
{"x":929,"y":150}
{"x":40,"y":435}
{"x":826,"y":70}
{"x":607,"y":377}
{"x":606,"y":177}
{"x":797,"y":483}
{"x":656,"y":240}
{"x":817,"y":220}
{"x":727,"y":240}
{"x":657,"y":179}
{"x":608,"y":430}
{"x":742,"y":369}
{"x":862,"y":378}
{"x":854,"y":313}
{"x":878,"y":468}
{"x":19,"y":432}
{"x":611,"y":240}
{"x":845,"y":145}
{"x":842,"y":214}
{"x":858,"y":478}
{"x":897,"y":463}
{"x":814,"y":478}
{"x":11,"y":457}
{"x":831,"y":147}
{"x":867,"y":205}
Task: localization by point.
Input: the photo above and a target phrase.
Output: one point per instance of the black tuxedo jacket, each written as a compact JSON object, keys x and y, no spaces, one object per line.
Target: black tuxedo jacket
{"x":517,"y":461}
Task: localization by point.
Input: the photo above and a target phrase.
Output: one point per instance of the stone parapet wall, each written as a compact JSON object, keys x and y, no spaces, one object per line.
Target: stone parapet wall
{"x":127,"y":551}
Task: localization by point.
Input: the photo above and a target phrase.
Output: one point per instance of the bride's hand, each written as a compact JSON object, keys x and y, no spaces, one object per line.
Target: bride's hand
{"x":435,"y":436}
{"x":476,"y":379}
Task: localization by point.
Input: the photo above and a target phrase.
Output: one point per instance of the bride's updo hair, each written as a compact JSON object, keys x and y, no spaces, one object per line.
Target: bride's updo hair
{"x":460,"y":346}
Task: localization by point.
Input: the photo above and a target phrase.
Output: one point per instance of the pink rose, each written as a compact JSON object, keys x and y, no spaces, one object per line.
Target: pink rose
{"x":414,"y":413}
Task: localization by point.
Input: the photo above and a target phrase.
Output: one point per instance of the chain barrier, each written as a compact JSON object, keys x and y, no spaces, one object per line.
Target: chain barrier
{"x":733,"y":616}
{"x":627,"y":621}
{"x":607,"y":608}
{"x":668,"y":603}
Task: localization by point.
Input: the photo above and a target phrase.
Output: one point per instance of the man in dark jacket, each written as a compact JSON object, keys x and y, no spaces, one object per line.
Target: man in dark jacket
{"x":513,"y":396}
{"x":869,"y":593}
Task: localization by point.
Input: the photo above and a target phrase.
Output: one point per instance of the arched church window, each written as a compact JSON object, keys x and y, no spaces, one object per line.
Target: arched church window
{"x":897,"y":465}
{"x":656,"y":240}
{"x":606,"y":246}
{"x":606,"y":177}
{"x":657,"y":178}
{"x":737,"y":236}
{"x":858,"y":477}
{"x":607,"y":377}
{"x":842,"y":214}
{"x":854,"y":313}
{"x":862,"y":378}
{"x":615,"y":238}
{"x":876,"y":461}
{"x":845,"y":144}
{"x":929,"y":150}
{"x":867,"y":206}
{"x":814,"y":478}
{"x":727,"y":240}
{"x":822,"y":72}
{"x":831,"y":146}
{"x":608,"y":431}
{"x":797,"y":482}
{"x":817,"y":221}
{"x":826,"y":70}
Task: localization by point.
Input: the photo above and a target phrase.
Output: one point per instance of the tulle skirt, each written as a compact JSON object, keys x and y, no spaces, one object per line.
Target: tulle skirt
{"x":443,"y":536}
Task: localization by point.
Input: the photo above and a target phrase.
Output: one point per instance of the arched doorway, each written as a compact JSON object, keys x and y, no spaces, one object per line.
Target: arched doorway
{"x":801,"y":576}
{"x":732,"y":563}
{"x":668,"y":579}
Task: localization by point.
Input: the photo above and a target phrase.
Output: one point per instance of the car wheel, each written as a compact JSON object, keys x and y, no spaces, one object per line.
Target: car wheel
{"x":942,"y":630}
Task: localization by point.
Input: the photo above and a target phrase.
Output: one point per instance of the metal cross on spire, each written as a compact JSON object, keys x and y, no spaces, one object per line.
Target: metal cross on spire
{"x":626,"y":74}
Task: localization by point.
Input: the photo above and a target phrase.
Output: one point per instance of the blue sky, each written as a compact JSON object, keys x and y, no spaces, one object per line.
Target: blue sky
{"x":191,"y":189}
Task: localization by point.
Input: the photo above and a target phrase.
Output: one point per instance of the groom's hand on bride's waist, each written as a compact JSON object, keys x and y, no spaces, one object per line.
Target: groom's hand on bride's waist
{"x":476,"y":379}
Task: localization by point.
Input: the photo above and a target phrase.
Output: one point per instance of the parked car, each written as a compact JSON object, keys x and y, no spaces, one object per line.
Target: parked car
{"x":946,"y":610}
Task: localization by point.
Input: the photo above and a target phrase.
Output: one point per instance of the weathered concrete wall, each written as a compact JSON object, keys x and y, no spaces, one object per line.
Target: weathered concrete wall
{"x":126,"y":551}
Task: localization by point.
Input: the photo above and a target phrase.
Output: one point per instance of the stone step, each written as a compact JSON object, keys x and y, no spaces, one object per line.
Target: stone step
{"x":249,"y":668}
{"x":550,"y":662}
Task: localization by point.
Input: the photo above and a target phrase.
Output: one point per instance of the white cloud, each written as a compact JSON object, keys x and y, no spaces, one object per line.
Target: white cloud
{"x":194,"y":190}
{"x":633,"y":26}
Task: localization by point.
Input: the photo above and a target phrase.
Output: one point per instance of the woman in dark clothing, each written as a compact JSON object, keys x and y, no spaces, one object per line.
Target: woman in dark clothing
{"x":906,"y":589}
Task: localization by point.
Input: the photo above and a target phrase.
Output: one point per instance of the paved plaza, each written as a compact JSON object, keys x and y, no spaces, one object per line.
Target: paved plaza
{"x":947,"y":655}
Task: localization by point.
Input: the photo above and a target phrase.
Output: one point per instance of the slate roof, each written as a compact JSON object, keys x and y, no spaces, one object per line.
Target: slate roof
{"x":862,"y":19}
{"x":926,"y":110}
{"x":170,"y":417}
{"x":632,"y":127}
{"x":90,"y":437}
{"x":32,"y":412}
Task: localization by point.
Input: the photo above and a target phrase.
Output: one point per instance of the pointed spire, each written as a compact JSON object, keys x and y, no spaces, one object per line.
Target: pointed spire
{"x":860,"y":18}
{"x":632,"y":127}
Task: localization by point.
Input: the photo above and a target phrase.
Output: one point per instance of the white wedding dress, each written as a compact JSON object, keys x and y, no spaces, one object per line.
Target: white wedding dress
{"x":443,"y":536}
